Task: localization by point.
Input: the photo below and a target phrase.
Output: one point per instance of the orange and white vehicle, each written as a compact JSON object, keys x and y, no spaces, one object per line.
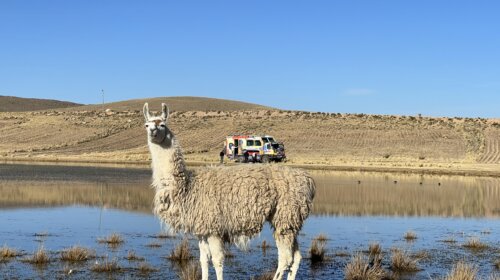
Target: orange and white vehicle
{"x":252,"y":148}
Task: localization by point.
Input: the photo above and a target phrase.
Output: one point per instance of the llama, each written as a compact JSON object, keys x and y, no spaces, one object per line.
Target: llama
{"x":227,"y":204}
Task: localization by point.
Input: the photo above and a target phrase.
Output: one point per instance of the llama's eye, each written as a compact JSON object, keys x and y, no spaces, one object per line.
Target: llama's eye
{"x":147,"y":125}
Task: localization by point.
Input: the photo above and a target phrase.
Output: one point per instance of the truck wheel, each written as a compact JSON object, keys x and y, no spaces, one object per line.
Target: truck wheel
{"x":265,"y":159}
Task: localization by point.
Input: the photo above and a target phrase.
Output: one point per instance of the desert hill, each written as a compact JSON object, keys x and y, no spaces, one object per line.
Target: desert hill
{"x":82,"y":134}
{"x":176,"y":103}
{"x":18,"y":104}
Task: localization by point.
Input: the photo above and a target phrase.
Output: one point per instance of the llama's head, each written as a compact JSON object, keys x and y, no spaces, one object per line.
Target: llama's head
{"x":156,"y":126}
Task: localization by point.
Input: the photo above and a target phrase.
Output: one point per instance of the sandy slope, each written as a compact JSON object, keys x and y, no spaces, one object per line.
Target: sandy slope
{"x":327,"y":140}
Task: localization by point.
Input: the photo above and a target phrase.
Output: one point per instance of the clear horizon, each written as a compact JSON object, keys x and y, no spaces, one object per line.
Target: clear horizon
{"x":435,"y":58}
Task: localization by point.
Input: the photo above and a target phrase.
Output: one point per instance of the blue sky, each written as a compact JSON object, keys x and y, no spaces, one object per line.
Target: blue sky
{"x":434,"y":57}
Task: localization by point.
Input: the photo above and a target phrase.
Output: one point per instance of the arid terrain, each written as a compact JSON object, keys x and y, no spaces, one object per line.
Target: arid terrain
{"x":114,"y":133}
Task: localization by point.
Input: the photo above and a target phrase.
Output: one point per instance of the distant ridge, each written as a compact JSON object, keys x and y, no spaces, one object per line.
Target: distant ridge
{"x":18,"y":104}
{"x":177,"y":103}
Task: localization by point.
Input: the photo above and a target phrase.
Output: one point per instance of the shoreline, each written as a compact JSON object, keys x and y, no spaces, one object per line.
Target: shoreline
{"x":480,"y":172}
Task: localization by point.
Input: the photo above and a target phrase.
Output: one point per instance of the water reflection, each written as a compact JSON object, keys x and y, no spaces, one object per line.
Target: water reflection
{"x":338,"y":193}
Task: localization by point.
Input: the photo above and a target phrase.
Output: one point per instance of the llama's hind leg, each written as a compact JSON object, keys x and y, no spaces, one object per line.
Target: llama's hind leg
{"x":285,"y":254}
{"x":217,"y":252}
{"x":204,"y":257}
{"x":296,"y":260}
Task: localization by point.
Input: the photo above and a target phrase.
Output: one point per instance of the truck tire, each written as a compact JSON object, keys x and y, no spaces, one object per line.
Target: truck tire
{"x":265,"y":159}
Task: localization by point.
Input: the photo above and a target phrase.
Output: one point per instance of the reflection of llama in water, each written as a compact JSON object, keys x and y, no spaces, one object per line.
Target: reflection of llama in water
{"x":227,"y":204}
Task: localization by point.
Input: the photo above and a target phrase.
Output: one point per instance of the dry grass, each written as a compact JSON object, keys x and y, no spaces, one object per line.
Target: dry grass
{"x":190,"y":271}
{"x":450,"y":239}
{"x":497,"y":264}
{"x":7,"y":254}
{"x":402,"y":262}
{"x":145,"y":268}
{"x":181,"y":253}
{"x":113,"y":240}
{"x":40,"y":257}
{"x":474,"y":243}
{"x":264,"y":245}
{"x":462,"y":271}
{"x":374,"y":248}
{"x":154,"y":245}
{"x":77,"y":254}
{"x":163,"y":235}
{"x":106,"y":266}
{"x":360,"y":269}
{"x":266,"y":276}
{"x":317,"y":252}
{"x":132,"y":256}
{"x":410,"y":235}
{"x":322,"y":237}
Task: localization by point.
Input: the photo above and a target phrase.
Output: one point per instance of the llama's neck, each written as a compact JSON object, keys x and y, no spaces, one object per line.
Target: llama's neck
{"x":169,"y":171}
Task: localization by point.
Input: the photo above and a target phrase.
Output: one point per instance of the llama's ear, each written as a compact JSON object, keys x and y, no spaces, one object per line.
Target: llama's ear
{"x":145,"y":110}
{"x":164,"y":111}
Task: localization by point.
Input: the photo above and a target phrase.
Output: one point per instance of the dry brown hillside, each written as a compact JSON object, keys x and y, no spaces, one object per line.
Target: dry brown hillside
{"x":17,"y":104}
{"x":310,"y":138}
{"x":176,"y":103}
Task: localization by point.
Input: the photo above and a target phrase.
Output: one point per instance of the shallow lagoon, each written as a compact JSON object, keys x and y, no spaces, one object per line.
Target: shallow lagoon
{"x":58,"y":206}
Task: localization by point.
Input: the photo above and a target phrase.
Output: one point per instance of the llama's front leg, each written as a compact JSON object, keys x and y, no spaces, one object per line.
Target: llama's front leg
{"x":204,"y":257}
{"x":217,"y":252}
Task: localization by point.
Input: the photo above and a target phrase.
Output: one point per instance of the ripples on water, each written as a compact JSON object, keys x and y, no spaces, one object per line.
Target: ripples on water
{"x":76,"y":205}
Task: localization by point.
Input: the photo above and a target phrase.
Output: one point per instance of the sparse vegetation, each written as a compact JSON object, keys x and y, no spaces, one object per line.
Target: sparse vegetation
{"x":145,"y":268}
{"x":132,"y":256}
{"x":450,"y":239}
{"x":190,"y":271}
{"x":39,"y":257}
{"x":265,"y":276}
{"x":374,"y":249}
{"x":76,"y":254}
{"x":410,"y":235}
{"x":462,"y":271}
{"x":360,"y":269}
{"x":497,"y":264}
{"x":181,"y":253}
{"x":317,"y":251}
{"x":474,"y":243}
{"x":113,"y":240}
{"x":402,"y":262}
{"x":7,"y":254}
{"x":106,"y":266}
{"x":154,"y":245}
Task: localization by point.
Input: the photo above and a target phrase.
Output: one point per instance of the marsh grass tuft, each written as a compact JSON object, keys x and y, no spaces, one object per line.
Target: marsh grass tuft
{"x":40,"y":257}
{"x":462,"y":271}
{"x":474,"y":243}
{"x":7,"y":254}
{"x":190,"y":271}
{"x":113,"y":240}
{"x":374,"y":248}
{"x":497,"y":264}
{"x":132,"y":256}
{"x":77,"y":254}
{"x":450,"y":239}
{"x":402,"y":262}
{"x":410,"y":235}
{"x":154,"y":245}
{"x":163,"y":235}
{"x":360,"y":269}
{"x":266,"y":276}
{"x":106,"y":266}
{"x":181,"y":253}
{"x":145,"y":268}
{"x":317,"y":252}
